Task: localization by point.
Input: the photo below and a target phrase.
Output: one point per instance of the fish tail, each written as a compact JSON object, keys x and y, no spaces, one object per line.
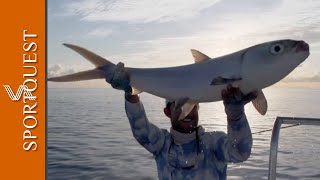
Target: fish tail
{"x":104,"y":68}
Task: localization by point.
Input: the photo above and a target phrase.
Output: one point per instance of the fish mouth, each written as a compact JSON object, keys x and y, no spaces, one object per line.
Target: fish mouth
{"x":302,"y":46}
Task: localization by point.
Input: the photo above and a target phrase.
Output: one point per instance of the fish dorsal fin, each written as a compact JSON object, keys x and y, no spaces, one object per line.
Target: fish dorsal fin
{"x":199,"y":56}
{"x":95,"y":59}
{"x":260,"y":103}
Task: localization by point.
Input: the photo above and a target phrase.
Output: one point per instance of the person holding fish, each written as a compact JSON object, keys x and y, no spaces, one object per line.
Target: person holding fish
{"x":187,"y":151}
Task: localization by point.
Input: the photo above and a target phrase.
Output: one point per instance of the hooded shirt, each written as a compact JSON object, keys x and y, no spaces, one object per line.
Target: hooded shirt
{"x":197,"y":155}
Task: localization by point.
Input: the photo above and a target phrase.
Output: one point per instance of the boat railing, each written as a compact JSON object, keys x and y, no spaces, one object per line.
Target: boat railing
{"x":275,"y":138}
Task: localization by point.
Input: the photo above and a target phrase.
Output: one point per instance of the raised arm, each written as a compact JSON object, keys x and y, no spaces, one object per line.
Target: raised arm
{"x":235,"y":146}
{"x":147,"y":134}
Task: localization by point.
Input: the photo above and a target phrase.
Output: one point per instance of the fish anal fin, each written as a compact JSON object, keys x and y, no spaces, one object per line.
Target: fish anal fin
{"x":260,"y":103}
{"x":186,"y":106}
{"x":135,"y":91}
{"x":186,"y":109}
{"x":199,"y":56}
{"x":180,"y":102}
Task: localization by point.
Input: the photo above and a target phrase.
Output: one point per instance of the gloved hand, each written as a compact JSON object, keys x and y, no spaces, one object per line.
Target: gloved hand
{"x":121,"y":79}
{"x":234,"y":101}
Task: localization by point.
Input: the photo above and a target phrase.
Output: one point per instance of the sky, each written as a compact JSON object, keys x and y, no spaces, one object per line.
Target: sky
{"x":153,"y":33}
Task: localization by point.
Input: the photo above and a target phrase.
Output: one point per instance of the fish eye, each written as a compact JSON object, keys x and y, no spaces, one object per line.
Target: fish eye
{"x":276,"y":49}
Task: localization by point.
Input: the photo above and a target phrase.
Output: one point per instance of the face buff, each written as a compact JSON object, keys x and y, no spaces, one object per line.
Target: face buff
{"x":183,"y":138}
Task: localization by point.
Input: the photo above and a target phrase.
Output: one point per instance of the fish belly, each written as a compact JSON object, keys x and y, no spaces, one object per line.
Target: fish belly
{"x":191,"y":81}
{"x":171,"y":87}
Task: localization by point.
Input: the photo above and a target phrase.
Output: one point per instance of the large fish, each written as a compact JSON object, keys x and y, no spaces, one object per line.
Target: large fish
{"x":250,"y":69}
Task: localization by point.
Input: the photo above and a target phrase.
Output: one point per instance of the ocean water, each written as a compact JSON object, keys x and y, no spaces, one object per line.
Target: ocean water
{"x":89,"y":136}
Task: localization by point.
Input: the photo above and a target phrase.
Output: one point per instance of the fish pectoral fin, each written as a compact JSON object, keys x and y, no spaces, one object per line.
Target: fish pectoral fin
{"x":80,"y":76}
{"x":221,"y":80}
{"x":199,"y":56}
{"x":260,"y":103}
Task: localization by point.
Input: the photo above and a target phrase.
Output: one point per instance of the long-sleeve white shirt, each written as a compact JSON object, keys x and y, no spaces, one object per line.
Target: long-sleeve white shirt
{"x":203,"y":157}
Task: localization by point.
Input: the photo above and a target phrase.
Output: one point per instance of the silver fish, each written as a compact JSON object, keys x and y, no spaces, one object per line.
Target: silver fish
{"x":250,"y":69}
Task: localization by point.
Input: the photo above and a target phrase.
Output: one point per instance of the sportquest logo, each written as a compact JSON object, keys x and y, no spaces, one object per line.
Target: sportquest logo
{"x":26,"y":95}
{"x":23,"y":89}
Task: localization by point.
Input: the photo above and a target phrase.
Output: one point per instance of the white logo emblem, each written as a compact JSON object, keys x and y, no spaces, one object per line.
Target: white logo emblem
{"x":22,"y":89}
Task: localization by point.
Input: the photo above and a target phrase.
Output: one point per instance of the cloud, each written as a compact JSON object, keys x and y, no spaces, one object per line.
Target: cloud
{"x":100,"y":32}
{"x":218,"y":29}
{"x":233,"y":31}
{"x":142,"y":11}
{"x":59,"y":70}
